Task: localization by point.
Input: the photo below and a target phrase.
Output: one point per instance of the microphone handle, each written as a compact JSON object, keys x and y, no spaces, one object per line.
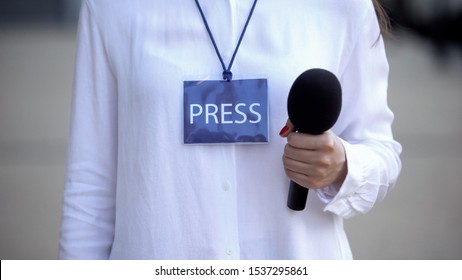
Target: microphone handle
{"x":296,"y":199}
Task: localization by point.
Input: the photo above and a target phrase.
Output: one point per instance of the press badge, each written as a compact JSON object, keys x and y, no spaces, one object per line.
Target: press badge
{"x":233,"y":111}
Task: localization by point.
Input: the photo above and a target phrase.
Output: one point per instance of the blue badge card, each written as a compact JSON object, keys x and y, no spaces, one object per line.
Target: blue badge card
{"x":226,"y":111}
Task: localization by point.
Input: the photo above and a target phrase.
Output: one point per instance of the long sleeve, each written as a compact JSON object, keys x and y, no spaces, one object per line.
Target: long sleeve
{"x":372,"y":154}
{"x":88,"y":215}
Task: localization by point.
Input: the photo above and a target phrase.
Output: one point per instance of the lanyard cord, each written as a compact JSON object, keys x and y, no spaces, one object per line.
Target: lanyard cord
{"x":227,"y":74}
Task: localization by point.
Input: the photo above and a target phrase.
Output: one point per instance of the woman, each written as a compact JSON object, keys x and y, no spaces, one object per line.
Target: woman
{"x":136,"y":190}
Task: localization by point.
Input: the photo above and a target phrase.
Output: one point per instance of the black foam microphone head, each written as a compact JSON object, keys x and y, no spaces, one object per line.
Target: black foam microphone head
{"x":315,"y":101}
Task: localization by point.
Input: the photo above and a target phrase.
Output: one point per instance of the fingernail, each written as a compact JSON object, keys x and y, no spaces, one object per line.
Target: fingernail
{"x":283,"y":130}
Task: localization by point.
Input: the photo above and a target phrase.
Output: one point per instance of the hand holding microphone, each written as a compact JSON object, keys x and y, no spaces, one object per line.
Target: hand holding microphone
{"x":314,"y":157}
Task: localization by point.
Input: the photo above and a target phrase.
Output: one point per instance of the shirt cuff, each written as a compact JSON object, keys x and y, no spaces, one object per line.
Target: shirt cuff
{"x":361,"y":187}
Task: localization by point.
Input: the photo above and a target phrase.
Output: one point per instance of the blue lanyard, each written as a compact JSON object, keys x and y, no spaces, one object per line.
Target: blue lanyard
{"x":227,"y":74}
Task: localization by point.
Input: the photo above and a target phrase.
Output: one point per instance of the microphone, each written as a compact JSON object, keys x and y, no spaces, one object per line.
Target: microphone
{"x":313,"y":106}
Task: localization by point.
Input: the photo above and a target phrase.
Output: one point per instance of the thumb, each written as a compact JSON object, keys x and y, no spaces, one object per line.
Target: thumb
{"x":287,"y":129}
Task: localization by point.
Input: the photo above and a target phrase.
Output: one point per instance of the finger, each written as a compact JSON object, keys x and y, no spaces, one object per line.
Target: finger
{"x":295,"y":165}
{"x":302,"y":155}
{"x":304,"y":180}
{"x":287,"y":129}
{"x":324,"y":141}
{"x":310,"y":170}
{"x":303,"y":141}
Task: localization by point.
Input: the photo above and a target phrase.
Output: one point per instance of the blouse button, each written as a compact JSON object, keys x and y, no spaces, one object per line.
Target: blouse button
{"x":229,"y":252}
{"x":226,"y":186}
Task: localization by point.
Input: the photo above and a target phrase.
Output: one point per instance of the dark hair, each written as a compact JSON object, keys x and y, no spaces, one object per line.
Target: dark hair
{"x":384,"y":20}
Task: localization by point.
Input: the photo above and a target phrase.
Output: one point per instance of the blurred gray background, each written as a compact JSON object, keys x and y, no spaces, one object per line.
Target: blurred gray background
{"x":420,"y":219}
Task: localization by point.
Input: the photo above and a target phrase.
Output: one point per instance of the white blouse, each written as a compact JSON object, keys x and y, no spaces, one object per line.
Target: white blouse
{"x":134,"y":191}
